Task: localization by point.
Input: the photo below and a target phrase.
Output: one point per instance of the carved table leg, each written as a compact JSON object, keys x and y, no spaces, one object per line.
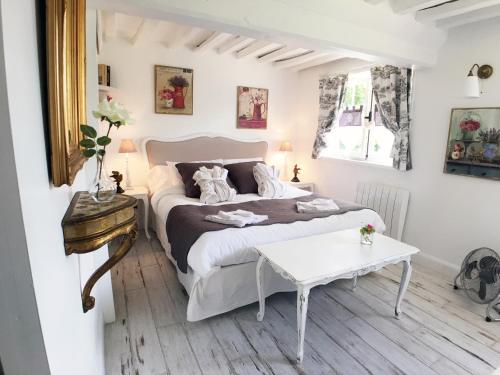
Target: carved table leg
{"x":355,"y":282}
{"x":405,"y":280}
{"x":260,"y":291}
{"x":126,"y":244}
{"x":302,"y":301}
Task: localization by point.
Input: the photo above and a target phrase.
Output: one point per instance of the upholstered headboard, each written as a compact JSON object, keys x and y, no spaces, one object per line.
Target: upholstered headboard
{"x":200,"y":147}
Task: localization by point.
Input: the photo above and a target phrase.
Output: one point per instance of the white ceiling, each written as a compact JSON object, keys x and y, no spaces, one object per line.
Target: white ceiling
{"x":445,"y":14}
{"x":134,"y":29}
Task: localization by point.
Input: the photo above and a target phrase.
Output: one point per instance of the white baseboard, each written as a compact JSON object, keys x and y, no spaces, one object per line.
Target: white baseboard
{"x":445,"y":268}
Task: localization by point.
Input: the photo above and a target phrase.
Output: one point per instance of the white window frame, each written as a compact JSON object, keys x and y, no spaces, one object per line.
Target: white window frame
{"x":354,"y":79}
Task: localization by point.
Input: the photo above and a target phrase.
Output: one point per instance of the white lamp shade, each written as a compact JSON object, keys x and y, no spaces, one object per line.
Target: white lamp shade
{"x":286,"y":146}
{"x":127,"y":146}
{"x":472,"y":87}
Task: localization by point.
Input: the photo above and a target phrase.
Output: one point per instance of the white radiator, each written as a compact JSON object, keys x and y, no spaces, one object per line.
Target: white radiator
{"x":389,"y":202}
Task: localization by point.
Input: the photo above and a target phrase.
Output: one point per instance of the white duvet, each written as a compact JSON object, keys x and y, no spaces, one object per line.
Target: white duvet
{"x":236,"y":245}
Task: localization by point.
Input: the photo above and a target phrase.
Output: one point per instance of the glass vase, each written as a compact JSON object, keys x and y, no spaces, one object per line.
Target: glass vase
{"x":102,"y":188}
{"x":367,"y":238}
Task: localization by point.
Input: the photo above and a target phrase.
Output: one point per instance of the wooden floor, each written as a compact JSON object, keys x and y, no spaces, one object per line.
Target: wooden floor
{"x":347,"y":332}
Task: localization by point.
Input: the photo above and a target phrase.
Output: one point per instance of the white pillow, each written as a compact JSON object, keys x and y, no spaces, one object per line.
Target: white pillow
{"x":234,"y":161}
{"x":158,"y":178}
{"x":174,"y":175}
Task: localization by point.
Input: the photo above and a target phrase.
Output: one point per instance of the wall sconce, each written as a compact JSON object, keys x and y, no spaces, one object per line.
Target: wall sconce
{"x":472,"y":81}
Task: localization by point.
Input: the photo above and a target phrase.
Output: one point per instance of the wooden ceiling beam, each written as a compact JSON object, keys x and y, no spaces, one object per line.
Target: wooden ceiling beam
{"x":237,"y":42}
{"x":180,"y":36}
{"x":316,"y":62}
{"x":109,"y":25}
{"x":474,"y":16}
{"x":411,"y":6}
{"x":453,"y":9}
{"x":214,"y":38}
{"x":280,"y":53}
{"x":145,"y":31}
{"x":252,"y":49}
{"x":287,"y":63}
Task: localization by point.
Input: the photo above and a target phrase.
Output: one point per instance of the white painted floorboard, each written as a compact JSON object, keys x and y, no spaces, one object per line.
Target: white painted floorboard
{"x":347,"y":332}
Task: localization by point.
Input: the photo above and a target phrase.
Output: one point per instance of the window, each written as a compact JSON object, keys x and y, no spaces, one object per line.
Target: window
{"x":352,"y":138}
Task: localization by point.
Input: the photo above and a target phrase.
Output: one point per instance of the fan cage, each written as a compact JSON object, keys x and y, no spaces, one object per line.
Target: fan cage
{"x":478,"y":260}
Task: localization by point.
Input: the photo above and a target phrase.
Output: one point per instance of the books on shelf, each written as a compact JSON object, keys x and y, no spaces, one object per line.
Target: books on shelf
{"x":104,"y":74}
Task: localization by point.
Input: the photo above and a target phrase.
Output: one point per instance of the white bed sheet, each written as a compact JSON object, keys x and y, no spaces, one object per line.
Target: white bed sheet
{"x":231,"y":246}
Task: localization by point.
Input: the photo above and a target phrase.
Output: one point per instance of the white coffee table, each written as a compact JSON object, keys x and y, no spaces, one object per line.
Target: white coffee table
{"x":318,"y":260}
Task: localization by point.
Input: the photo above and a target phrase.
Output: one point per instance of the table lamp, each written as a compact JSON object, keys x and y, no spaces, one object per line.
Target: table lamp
{"x":126,"y":147}
{"x":286,"y":147}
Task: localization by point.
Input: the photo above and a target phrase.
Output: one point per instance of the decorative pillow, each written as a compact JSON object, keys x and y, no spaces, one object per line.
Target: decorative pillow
{"x":213,"y":185}
{"x":175,"y":178}
{"x":187,"y":170}
{"x":241,"y":175}
{"x":267,"y":177}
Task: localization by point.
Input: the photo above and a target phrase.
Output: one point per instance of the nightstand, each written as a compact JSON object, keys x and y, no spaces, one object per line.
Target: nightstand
{"x":309,"y":186}
{"x":141,"y":193}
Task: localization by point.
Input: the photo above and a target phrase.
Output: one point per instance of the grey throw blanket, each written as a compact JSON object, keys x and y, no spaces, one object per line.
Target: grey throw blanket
{"x":186,"y":223}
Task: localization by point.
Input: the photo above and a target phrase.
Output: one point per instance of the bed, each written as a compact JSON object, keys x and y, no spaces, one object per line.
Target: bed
{"x":221,"y":264}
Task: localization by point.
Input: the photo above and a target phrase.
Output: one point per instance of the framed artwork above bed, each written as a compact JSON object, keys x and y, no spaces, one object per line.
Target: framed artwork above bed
{"x":473,"y":147}
{"x":173,"y":90}
{"x":252,"y":110}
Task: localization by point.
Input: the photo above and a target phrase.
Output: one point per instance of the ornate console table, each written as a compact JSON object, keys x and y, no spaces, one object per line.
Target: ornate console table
{"x":87,"y":226}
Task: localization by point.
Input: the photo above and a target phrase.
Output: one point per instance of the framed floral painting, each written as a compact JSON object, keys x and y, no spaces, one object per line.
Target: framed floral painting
{"x":473,"y":147}
{"x":252,"y":108}
{"x":173,"y":90}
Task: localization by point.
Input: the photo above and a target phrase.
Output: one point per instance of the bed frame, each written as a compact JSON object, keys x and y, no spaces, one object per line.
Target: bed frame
{"x":201,"y":146}
{"x":232,"y":286}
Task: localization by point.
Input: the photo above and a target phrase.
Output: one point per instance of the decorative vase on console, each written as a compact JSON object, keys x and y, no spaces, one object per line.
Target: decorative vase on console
{"x":102,"y":187}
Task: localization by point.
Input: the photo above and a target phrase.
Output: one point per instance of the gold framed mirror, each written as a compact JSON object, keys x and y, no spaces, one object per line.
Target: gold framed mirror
{"x":66,"y":78}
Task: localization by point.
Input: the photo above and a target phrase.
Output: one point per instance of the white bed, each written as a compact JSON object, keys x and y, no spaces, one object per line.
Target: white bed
{"x":221,"y":272}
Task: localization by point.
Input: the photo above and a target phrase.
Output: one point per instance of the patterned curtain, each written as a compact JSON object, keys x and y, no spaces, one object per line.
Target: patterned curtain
{"x":331,"y":93}
{"x":391,"y":88}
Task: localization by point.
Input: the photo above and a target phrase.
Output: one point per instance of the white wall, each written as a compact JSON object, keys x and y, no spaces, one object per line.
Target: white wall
{"x":215,"y":80}
{"x":73,"y":340}
{"x":448,"y":215}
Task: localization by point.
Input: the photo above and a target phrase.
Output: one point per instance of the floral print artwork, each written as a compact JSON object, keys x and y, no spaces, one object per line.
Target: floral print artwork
{"x":391,"y":89}
{"x":331,"y":92}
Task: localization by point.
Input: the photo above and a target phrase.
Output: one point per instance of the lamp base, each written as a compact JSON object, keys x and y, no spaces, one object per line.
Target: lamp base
{"x":295,"y":179}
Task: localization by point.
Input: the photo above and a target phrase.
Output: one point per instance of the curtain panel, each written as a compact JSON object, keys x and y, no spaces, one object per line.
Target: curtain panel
{"x":391,"y":89}
{"x":331,"y":93}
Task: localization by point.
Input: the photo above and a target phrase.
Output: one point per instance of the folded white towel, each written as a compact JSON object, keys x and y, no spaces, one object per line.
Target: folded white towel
{"x":267,"y":178}
{"x":238,"y":218}
{"x":317,"y":205}
{"x":213,"y":185}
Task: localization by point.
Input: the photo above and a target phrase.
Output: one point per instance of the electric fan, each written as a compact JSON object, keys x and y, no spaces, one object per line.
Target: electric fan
{"x":480,"y":278}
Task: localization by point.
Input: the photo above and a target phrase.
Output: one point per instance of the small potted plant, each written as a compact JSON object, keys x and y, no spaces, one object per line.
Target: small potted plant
{"x":367,"y":232}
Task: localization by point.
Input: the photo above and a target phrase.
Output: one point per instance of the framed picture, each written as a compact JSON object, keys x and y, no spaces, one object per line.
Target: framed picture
{"x":473,"y":147}
{"x":66,"y":77}
{"x":173,"y":90}
{"x":252,"y":109}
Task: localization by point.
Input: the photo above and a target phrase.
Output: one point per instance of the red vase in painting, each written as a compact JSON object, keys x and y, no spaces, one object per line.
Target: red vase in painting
{"x":257,"y":111}
{"x":179,"y":97}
